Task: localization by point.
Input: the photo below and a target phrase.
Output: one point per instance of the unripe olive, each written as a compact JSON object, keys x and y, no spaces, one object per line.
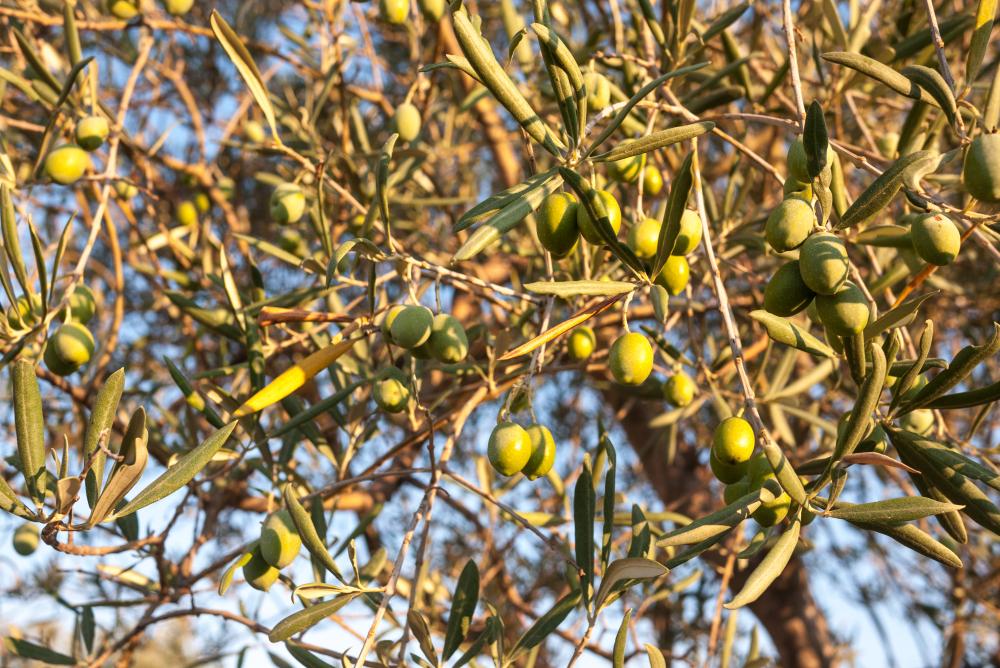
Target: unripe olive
{"x":758,"y":470}
{"x":123,"y":9}
{"x":733,"y":441}
{"x":26,"y":539}
{"x":258,"y":573}
{"x":387,"y":320}
{"x":581,"y":343}
{"x":69,"y":348}
{"x":394,"y":11}
{"x":178,"y":7}
{"x":689,"y":234}
{"x":586,"y":225}
{"x":726,"y":473}
{"x":598,"y":90}
{"x":679,"y":389}
{"x":391,"y":392}
{"x":66,"y":164}
{"x":844,"y":313}
{"x":920,"y":421}
{"x":543,"y":452}
{"x":411,"y":326}
{"x":254,"y":132}
{"x":556,"y":223}
{"x":652,"y":181}
{"x":82,"y":304}
{"x":735,"y":491}
{"x":432,"y":9}
{"x":772,"y":512}
{"x":674,"y":275}
{"x":125,"y":190}
{"x":887,"y":143}
{"x":793,"y":188}
{"x":448,"y":342}
{"x":935,"y":238}
{"x":279,"y":539}
{"x":407,"y":121}
{"x":187,"y":213}
{"x":981,"y":169}
{"x":202,"y":203}
{"x":790,"y":224}
{"x":631,"y":359}
{"x":288,"y":203}
{"x":509,"y":448}
{"x":227,"y":187}
{"x":823,"y":263}
{"x":643,"y":238}
{"x":786,"y":293}
{"x":796,"y":161}
{"x":25,"y":312}
{"x":91,"y":132}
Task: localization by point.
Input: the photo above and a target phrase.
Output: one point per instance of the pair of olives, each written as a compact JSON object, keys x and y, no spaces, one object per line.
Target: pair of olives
{"x":515,"y":449}
{"x":288,"y":203}
{"x":277,"y":547}
{"x":675,"y":274}
{"x":129,"y":9}
{"x":426,"y":335}
{"x":72,"y":345}
{"x":734,"y":463}
{"x":562,"y":220}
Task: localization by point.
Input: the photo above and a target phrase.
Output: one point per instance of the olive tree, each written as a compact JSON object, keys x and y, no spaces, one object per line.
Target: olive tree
{"x":525,"y":333}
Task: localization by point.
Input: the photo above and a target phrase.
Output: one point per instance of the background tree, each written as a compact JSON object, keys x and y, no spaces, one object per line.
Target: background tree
{"x":523,"y":333}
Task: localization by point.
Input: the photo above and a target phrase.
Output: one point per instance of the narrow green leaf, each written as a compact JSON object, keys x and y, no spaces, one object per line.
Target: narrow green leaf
{"x":29,"y":427}
{"x":126,"y":471}
{"x":245,"y":65}
{"x":717,"y":523}
{"x":815,"y":139}
{"x":102,"y":418}
{"x":621,"y":641}
{"x":499,"y":201}
{"x":889,"y":511}
{"x":11,"y":242}
{"x":769,"y":568}
{"x":901,"y":316}
{"x":580,"y":288}
{"x":584,"y":509}
{"x":985,"y":15}
{"x":785,"y":331}
{"x":227,"y":576}
{"x":915,"y":539}
{"x":670,"y":227}
{"x":880,"y":72}
{"x":907,"y":378}
{"x":547,"y":623}
{"x":977,"y":397}
{"x":305,"y":619}
{"x":931,"y":81}
{"x":180,"y":474}
{"x":655,"y":656}
{"x":880,"y":193}
{"x":967,"y":359}
{"x":30,"y":650}
{"x":655,"y":140}
{"x":724,"y":20}
{"x":308,"y":533}
{"x":463,"y":607}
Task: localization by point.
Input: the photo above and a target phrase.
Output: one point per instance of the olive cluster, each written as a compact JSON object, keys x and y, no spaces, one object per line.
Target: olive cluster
{"x":65,"y":164}
{"x":129,"y":9}
{"x":515,"y":449}
{"x":277,"y":547}
{"x":734,"y":464}
{"x":71,"y":345}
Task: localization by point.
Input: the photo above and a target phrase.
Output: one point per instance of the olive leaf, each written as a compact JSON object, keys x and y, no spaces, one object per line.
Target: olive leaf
{"x":914,"y":538}
{"x":881,"y":73}
{"x":607,"y":449}
{"x":11,"y":242}
{"x":932,"y":82}
{"x":179,"y":474}
{"x":785,"y":331}
{"x":102,"y":418}
{"x":724,"y":20}
{"x":769,"y":568}
{"x":305,"y":619}
{"x":863,"y":409}
{"x":967,"y":359}
{"x":29,"y":427}
{"x":652,"y":22}
{"x":546,"y":624}
{"x":490,"y":633}
{"x":126,"y":472}
{"x":556,"y":52}
{"x":307,"y":532}
{"x":901,"y":316}
{"x":489,"y":72}
{"x":655,"y":140}
{"x":622,"y":570}
{"x":227,"y":576}
{"x":880,"y":193}
{"x":463,"y":607}
{"x":580,"y":288}
{"x":815,"y":140}
{"x":943,"y":456}
{"x":719,"y":522}
{"x":584,"y":509}
{"x":34,"y":60}
{"x":245,"y":65}
{"x":29,"y":650}
{"x":499,"y":201}
{"x":885,"y":236}
{"x":10,"y":503}
{"x":670,"y":227}
{"x":621,"y":641}
{"x":890,"y":511}
{"x":985,"y":14}
{"x":304,"y":656}
{"x":977,"y":397}
{"x":655,"y":656}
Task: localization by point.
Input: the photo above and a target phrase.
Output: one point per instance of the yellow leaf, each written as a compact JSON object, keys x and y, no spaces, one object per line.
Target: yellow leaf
{"x":560,"y":329}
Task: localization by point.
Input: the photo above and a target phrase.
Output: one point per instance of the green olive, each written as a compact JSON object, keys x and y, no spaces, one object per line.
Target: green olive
{"x":643,"y":238}
{"x":91,"y":132}
{"x":586,"y":225}
{"x":652,"y":181}
{"x":279,"y":539}
{"x":679,"y":389}
{"x":790,"y":224}
{"x":981,"y":169}
{"x":509,"y":448}
{"x":448,"y":342}
{"x":388,"y":318}
{"x":735,"y":491}
{"x":733,"y":441}
{"x":82,"y":304}
{"x":432,"y":9}
{"x":69,"y":348}
{"x":726,"y":473}
{"x":920,"y":421}
{"x":391,"y":392}
{"x":556,"y":224}
{"x":935,"y":238}
{"x":66,"y":164}
{"x":394,"y":12}
{"x":178,"y":7}
{"x":796,"y":161}
{"x":689,"y":234}
{"x":26,"y":539}
{"x":581,"y":343}
{"x":844,"y":313}
{"x":258,"y":573}
{"x":598,"y":90}
{"x":823,"y":263}
{"x":411,"y":326}
{"x":407,"y":121}
{"x":288,"y":203}
{"x":123,"y":9}
{"x":543,"y":452}
{"x":786,"y":293}
{"x":631,"y":359}
{"x":627,"y":170}
{"x":187,"y":213}
{"x":674,"y":275}
{"x":254,"y":132}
